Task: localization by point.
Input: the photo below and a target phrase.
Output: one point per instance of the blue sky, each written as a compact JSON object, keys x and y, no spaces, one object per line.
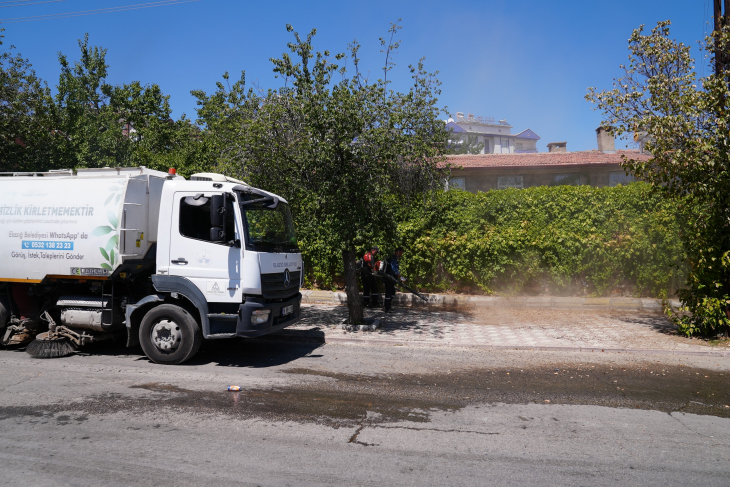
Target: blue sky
{"x":528,"y":62}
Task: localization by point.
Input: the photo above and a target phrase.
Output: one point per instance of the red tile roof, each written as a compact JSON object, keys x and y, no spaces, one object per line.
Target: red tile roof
{"x":543,"y":159}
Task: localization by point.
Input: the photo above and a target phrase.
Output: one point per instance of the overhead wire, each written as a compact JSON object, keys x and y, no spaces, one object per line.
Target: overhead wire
{"x":15,"y":1}
{"x":121,"y":8}
{"x":34,"y":3}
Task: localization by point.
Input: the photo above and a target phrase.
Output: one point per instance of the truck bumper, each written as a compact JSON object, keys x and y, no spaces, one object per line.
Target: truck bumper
{"x":276,"y":322}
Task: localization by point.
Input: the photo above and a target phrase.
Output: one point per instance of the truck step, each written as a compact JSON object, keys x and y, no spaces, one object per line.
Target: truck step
{"x":83,"y":302}
{"x":217,"y":336}
{"x":220,"y":316}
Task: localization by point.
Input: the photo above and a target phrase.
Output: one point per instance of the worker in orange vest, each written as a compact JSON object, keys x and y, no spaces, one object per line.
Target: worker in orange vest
{"x":369,"y":282}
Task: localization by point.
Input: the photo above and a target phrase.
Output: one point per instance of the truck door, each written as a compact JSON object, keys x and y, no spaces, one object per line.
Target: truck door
{"x":214,"y":267}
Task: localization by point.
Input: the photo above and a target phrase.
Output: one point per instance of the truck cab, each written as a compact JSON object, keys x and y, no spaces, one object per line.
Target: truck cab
{"x":234,"y":246}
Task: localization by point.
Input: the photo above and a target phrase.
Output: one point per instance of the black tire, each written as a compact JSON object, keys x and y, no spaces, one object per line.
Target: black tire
{"x":4,"y":317}
{"x":184,"y":340}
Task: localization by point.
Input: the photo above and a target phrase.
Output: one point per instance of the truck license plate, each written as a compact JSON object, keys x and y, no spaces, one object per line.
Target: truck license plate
{"x":287,"y":310}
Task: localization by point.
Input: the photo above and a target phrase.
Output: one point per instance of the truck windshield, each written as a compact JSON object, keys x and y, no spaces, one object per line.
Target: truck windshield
{"x":267,"y":229}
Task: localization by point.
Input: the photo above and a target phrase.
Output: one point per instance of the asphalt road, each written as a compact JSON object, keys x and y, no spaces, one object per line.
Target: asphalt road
{"x":313,"y":414}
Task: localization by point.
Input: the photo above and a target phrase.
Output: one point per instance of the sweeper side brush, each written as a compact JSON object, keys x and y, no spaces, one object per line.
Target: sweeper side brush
{"x":50,"y":344}
{"x":46,"y":347}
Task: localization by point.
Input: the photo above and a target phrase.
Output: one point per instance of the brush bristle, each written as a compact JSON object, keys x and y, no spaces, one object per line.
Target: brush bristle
{"x":50,"y":348}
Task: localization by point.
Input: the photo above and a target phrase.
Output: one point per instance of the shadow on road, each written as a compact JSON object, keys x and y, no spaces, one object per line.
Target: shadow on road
{"x":255,"y":352}
{"x":234,"y":352}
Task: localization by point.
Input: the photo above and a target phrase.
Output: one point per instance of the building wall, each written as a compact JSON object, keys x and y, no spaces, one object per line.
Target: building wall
{"x":479,"y":128}
{"x":488,"y":144}
{"x":525,"y":145}
{"x":493,"y":137}
{"x":495,"y":144}
{"x":485,"y":179}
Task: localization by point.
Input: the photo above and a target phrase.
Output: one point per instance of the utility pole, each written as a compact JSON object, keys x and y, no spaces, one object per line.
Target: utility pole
{"x":720,"y":61}
{"x":722,"y":17}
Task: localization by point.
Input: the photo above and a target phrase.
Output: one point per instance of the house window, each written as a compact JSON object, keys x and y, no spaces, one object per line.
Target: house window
{"x":518,"y":145}
{"x":571,"y":179}
{"x":505,"y":182}
{"x":457,"y":183}
{"x":620,"y":177}
{"x":505,"y":147}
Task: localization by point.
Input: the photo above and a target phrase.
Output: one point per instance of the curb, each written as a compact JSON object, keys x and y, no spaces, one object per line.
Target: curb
{"x":418,"y":343}
{"x":648,"y":305}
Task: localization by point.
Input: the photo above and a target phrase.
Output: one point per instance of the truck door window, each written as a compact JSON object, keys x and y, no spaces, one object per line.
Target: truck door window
{"x":195,"y":219}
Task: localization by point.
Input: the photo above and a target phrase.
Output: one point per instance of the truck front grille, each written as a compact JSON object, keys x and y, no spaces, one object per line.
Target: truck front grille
{"x":274,"y":287}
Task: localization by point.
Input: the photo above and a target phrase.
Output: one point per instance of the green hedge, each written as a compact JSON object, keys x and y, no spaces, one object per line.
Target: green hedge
{"x":565,"y":240}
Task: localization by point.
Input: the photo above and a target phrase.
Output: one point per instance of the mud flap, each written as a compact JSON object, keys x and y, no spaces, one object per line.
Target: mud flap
{"x":133,"y":331}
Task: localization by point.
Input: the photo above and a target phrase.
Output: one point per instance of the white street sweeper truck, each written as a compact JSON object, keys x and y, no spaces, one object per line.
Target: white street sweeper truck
{"x":144,"y":255}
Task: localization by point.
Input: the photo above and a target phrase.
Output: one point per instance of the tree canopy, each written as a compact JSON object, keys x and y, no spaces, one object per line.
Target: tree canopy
{"x":89,"y":122}
{"x":26,"y":114}
{"x":347,"y":151}
{"x":686,"y":123}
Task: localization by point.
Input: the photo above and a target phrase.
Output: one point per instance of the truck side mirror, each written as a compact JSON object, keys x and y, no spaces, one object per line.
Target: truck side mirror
{"x":217,"y":217}
{"x":217,"y":234}
{"x":217,"y":210}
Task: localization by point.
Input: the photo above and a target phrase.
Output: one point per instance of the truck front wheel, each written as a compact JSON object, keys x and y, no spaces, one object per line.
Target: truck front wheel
{"x":169,"y":335}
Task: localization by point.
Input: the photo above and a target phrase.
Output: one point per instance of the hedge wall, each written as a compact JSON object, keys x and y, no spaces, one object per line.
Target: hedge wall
{"x":565,"y":240}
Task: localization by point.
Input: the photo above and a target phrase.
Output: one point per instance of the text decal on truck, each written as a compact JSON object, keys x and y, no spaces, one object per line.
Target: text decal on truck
{"x":40,"y":244}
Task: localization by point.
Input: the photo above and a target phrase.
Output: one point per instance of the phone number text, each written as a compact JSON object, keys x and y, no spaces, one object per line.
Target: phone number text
{"x":47,"y":245}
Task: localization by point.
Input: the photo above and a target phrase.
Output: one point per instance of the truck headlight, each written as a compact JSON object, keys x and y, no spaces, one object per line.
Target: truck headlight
{"x":260,"y":316}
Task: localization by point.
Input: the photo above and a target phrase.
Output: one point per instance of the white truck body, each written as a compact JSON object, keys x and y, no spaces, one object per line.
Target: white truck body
{"x":73,"y":226}
{"x":116,"y":228}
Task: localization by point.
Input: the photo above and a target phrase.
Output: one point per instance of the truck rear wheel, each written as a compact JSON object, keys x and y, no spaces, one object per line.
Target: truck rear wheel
{"x":169,"y":335}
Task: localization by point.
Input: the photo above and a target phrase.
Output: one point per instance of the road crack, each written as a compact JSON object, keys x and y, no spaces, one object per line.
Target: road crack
{"x":433,"y":429}
{"x":353,"y":438}
{"x":22,"y":381}
{"x":681,"y":410}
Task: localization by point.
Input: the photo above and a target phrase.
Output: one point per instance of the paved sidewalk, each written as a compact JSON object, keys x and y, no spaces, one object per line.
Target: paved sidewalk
{"x":505,"y":328}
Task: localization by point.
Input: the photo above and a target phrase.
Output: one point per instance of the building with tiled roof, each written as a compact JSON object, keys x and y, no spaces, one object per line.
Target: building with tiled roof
{"x":482,"y":172}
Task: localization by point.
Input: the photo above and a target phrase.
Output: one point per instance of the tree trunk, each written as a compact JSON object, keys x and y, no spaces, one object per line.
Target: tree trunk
{"x":354,"y":304}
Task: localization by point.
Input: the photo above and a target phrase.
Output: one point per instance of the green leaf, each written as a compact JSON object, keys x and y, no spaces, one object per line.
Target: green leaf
{"x":112,"y":257}
{"x":108,"y":199}
{"x":112,"y":217}
{"x":113,"y":242}
{"x":103,"y":230}
{"x":103,"y":253}
{"x":106,"y":266}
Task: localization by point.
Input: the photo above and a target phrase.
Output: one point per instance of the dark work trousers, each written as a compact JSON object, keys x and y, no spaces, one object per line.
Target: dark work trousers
{"x":389,"y":293}
{"x":370,"y":290}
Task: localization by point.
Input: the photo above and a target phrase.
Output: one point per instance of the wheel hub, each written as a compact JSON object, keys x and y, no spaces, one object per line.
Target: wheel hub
{"x":166,"y":336}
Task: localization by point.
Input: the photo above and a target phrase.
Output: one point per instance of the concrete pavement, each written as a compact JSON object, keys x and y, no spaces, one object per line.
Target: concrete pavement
{"x":328,"y":414}
{"x":410,"y":404}
{"x":508,"y":328}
